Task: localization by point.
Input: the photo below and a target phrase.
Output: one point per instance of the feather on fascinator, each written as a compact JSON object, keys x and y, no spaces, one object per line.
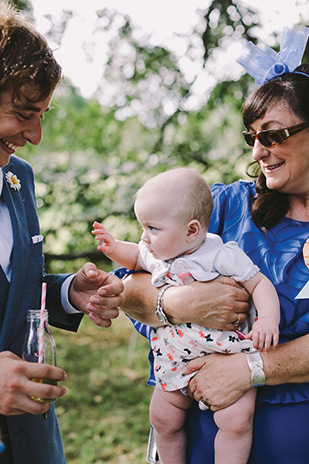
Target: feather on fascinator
{"x":265,"y":65}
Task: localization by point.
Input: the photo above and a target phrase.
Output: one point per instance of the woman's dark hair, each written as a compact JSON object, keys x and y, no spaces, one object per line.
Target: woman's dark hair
{"x":26,"y":61}
{"x":292,"y":91}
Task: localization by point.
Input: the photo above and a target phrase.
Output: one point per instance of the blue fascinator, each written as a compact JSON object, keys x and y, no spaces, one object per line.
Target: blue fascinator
{"x":264,"y":65}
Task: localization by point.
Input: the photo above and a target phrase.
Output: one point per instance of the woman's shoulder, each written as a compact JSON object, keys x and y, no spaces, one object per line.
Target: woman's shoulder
{"x":231,"y":206}
{"x":240,"y":187}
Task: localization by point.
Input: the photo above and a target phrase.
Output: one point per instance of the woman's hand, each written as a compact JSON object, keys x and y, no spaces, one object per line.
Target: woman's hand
{"x":221,"y":379}
{"x":219,"y":304}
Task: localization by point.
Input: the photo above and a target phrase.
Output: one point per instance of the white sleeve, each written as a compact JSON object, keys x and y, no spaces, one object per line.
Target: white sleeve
{"x":65,"y":296}
{"x":232,"y":261}
{"x":156,"y":267}
{"x":144,"y":257}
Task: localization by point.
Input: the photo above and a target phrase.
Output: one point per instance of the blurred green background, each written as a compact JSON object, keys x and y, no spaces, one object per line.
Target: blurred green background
{"x":104,"y":416}
{"x":143,"y":118}
{"x":96,"y":152}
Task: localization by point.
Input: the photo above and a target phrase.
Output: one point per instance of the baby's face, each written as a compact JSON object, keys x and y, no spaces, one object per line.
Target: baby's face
{"x":164,"y":231}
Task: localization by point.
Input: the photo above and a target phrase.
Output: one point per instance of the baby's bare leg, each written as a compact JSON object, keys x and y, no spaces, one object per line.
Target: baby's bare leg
{"x":167,"y":416}
{"x":234,"y":438}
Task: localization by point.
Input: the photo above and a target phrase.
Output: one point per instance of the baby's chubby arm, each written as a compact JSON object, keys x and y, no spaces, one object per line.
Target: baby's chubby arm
{"x":265,"y":330}
{"x":123,"y":253}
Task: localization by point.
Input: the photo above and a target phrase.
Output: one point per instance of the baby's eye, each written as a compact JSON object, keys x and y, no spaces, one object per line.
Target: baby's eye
{"x":152,"y":228}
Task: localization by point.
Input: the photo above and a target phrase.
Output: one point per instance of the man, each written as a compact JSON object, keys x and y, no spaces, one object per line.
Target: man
{"x":29,"y":74}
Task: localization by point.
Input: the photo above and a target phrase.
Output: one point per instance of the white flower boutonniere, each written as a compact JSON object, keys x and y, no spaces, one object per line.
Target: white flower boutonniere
{"x":13,"y":181}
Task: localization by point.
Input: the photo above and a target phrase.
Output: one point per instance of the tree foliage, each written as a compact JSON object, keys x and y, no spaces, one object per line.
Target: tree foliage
{"x":20,"y":4}
{"x":97,"y":152}
{"x":224,"y":19}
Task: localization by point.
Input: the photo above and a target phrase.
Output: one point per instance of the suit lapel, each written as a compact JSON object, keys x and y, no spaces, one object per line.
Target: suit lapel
{"x":20,"y":258}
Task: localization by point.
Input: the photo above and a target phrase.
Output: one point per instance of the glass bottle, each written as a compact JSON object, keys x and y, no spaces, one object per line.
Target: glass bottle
{"x":31,"y":346}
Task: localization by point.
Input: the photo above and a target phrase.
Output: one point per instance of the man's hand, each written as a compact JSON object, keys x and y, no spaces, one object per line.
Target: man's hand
{"x":17,"y":388}
{"x":96,"y":293}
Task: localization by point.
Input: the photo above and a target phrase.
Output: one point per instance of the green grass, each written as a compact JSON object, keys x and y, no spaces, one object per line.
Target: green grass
{"x":104,"y":416}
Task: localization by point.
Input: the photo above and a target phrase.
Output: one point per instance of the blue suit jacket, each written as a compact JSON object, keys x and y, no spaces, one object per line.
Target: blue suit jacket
{"x":33,"y":438}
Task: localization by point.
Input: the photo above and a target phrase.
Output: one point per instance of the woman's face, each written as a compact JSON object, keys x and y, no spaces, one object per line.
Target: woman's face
{"x":285,"y":166}
{"x":20,"y":122}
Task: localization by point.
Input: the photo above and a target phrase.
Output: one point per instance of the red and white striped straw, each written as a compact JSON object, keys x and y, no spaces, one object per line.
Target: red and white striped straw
{"x":41,"y":328}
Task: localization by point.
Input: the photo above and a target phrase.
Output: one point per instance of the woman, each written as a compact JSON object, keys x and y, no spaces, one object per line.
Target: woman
{"x":273,"y":232}
{"x":270,"y":220}
{"x":29,"y":74}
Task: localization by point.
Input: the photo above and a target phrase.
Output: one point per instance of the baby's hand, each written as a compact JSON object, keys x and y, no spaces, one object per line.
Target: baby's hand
{"x":105,"y":239}
{"x":264,"y":333}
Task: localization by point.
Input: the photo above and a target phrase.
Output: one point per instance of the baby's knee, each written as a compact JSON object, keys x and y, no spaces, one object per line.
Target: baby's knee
{"x":161,"y":422}
{"x":235,"y":422}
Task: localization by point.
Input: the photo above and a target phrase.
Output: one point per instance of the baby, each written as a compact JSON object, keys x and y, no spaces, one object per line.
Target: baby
{"x":173,"y":209}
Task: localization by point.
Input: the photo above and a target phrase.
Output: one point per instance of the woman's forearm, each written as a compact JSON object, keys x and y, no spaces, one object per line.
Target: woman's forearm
{"x":216,"y":304}
{"x":288,"y":363}
{"x":139,"y":299}
{"x":221,"y":380}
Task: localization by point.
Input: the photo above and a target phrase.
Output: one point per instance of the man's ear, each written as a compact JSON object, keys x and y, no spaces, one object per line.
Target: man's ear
{"x":193,"y":229}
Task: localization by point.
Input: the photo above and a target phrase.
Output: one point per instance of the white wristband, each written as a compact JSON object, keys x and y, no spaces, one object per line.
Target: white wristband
{"x":255,"y":362}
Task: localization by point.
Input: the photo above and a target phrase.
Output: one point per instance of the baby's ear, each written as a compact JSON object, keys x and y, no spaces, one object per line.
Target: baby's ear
{"x":193,"y":229}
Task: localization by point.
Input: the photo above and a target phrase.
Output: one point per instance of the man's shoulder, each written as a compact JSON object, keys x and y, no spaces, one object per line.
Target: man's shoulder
{"x":21,"y":168}
{"x":19,"y":162}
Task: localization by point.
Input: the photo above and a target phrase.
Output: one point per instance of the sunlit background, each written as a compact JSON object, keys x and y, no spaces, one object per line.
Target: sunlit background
{"x":149,"y":85}
{"x":82,"y":49}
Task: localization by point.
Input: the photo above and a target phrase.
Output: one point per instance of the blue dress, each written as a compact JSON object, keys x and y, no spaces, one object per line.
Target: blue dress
{"x":281,"y":424}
